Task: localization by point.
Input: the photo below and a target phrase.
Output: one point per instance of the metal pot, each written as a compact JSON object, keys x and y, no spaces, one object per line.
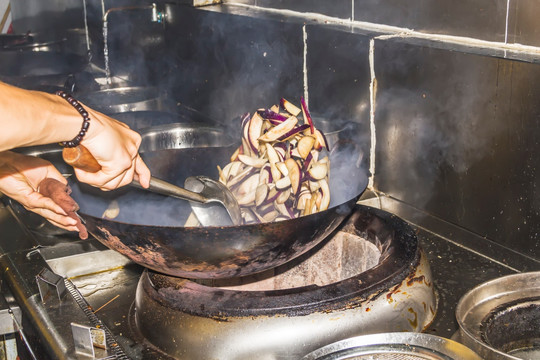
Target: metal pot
{"x":139,"y":120}
{"x":8,"y":41}
{"x":396,"y":346}
{"x":500,"y":319}
{"x":44,"y":70}
{"x":16,"y":64}
{"x":145,"y":119}
{"x":31,"y":42}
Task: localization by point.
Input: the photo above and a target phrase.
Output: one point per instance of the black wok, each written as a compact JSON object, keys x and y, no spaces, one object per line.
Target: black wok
{"x":149,"y":228}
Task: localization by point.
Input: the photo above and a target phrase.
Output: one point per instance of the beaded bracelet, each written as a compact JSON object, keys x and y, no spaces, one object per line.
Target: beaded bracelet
{"x":86,"y":119}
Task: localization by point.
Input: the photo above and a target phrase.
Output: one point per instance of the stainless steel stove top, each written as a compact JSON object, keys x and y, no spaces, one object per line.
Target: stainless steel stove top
{"x":107,"y":282}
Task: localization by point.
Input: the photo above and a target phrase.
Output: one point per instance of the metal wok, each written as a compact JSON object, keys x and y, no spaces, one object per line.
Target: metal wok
{"x":149,"y":228}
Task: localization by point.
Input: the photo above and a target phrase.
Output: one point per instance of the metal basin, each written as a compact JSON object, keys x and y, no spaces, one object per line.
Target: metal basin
{"x":389,"y":346}
{"x":125,"y":99}
{"x":15,"y":64}
{"x":31,"y":42}
{"x":500,"y":319}
{"x":179,"y":115}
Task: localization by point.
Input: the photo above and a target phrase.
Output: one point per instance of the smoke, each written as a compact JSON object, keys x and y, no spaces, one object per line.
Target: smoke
{"x":225,"y":66}
{"x":425,"y":137}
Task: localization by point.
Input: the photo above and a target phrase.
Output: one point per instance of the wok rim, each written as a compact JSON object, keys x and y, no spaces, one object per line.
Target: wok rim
{"x":355,"y":198}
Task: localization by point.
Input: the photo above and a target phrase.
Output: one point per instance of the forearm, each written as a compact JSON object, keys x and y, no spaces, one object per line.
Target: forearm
{"x":34,"y":118}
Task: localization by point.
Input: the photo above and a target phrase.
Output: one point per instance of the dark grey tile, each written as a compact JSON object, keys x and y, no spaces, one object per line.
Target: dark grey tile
{"x":337,"y":8}
{"x":524,"y":24}
{"x":482,"y":19}
{"x":338,"y":84}
{"x":338,"y":74}
{"x":225,"y":65}
{"x":456,"y":136}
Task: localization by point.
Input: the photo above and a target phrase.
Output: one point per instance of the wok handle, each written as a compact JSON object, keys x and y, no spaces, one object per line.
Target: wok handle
{"x":81,"y":158}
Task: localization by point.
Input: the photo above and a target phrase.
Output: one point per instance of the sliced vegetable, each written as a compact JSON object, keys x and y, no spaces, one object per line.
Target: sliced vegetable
{"x":289,"y":107}
{"x":252,"y":161}
{"x":318,"y":171}
{"x":254,"y":131}
{"x":293,"y":132}
{"x":304,"y":146}
{"x":269,"y":114}
{"x":295,"y":175}
{"x":260,"y":194}
{"x":275,"y":173}
{"x":279,"y":130}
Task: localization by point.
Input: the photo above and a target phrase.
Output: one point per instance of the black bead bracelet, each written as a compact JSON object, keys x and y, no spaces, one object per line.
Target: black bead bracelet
{"x":86,"y":119}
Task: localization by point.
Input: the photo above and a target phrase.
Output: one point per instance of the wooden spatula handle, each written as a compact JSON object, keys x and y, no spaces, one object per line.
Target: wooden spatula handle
{"x":79,"y":157}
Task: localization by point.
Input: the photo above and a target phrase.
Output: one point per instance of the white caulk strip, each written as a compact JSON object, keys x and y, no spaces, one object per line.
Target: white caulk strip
{"x":372,"y":101}
{"x":401,"y":32}
{"x":306,"y":95}
{"x":506,"y":25}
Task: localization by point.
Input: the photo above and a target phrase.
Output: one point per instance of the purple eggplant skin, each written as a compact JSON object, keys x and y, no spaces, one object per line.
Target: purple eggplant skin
{"x":290,"y":210}
{"x":266,"y":168}
{"x":250,"y":173}
{"x":244,"y":119}
{"x":307,"y":161}
{"x":293,"y":132}
{"x":268,"y":114}
{"x":325,"y":141}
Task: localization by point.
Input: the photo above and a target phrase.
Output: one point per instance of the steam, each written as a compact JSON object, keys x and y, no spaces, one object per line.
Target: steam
{"x":420,"y":145}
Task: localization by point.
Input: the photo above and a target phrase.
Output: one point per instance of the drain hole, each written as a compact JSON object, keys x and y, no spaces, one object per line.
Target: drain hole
{"x":514,"y":328}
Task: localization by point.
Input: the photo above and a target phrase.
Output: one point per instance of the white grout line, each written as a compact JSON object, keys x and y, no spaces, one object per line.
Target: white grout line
{"x":86,"y":35}
{"x":507,"y":24}
{"x":399,"y":31}
{"x":352,"y":10}
{"x":372,"y":101}
{"x":306,"y":94}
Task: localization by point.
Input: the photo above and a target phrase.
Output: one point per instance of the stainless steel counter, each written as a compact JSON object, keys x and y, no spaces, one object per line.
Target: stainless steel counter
{"x":107,"y":281}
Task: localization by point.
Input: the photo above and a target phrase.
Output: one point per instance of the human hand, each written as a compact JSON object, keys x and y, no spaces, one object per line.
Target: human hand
{"x":20,"y":176}
{"x":115,"y":147}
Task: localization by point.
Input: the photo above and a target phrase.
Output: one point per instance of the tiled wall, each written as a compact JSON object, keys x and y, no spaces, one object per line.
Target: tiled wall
{"x":514,"y":21}
{"x":454,"y":121}
{"x":445,"y":94}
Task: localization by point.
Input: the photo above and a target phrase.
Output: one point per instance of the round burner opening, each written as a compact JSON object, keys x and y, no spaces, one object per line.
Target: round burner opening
{"x":347,"y":254}
{"x":514,"y":328}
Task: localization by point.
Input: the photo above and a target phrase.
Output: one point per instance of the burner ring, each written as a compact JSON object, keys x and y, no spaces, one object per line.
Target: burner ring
{"x":395,"y":295}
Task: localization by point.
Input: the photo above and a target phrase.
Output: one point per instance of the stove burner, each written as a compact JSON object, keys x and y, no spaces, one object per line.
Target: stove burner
{"x":278,"y":314}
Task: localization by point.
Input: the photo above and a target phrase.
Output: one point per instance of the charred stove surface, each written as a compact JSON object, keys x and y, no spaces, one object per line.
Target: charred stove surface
{"x":237,"y":318}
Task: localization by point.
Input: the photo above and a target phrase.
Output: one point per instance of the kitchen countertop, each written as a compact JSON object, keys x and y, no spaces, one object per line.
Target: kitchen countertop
{"x":459,"y":261}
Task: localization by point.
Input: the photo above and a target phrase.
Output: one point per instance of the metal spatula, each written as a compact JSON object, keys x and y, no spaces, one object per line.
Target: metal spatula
{"x":210,"y":200}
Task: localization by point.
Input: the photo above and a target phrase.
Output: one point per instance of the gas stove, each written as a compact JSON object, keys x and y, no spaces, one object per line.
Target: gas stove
{"x":97,"y":289}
